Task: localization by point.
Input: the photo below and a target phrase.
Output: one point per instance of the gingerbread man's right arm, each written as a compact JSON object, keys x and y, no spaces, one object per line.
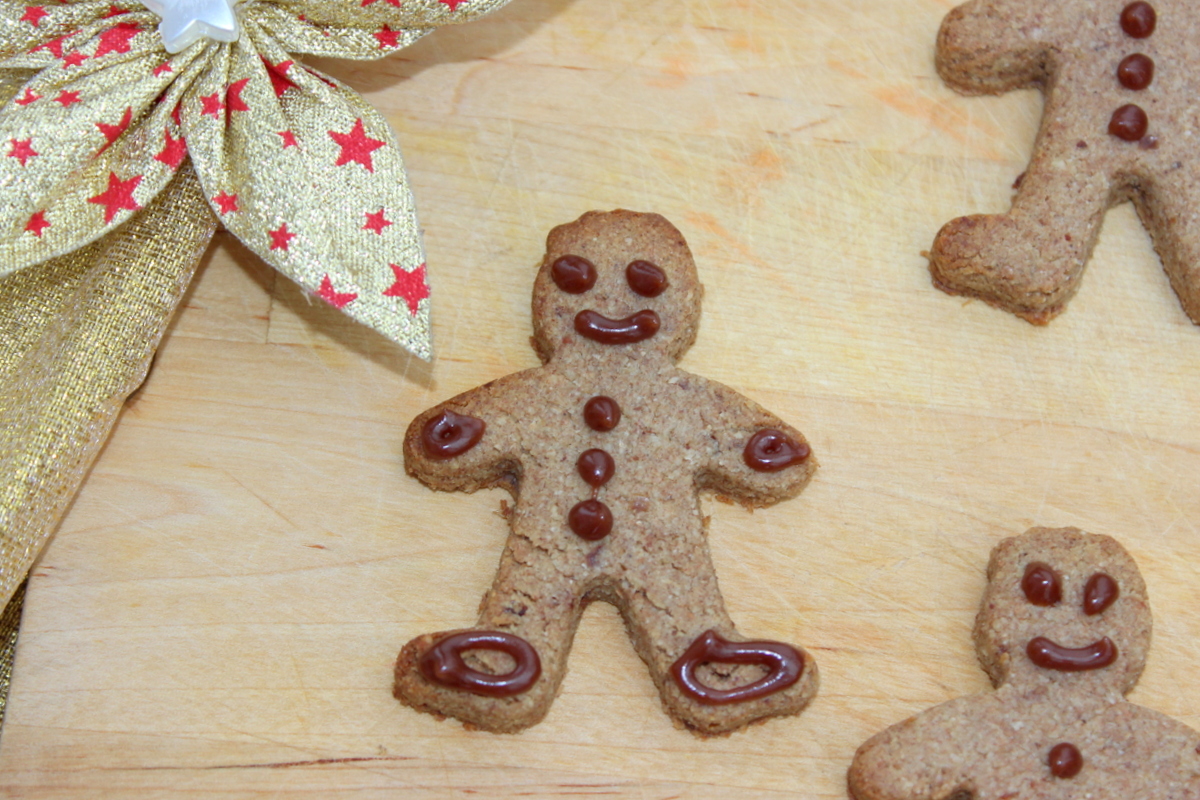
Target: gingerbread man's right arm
{"x":995,"y":46}
{"x":925,"y":757}
{"x":471,"y":441}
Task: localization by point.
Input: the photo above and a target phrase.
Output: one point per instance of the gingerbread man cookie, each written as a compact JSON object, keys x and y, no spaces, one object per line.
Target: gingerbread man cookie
{"x":1063,"y":633}
{"x":605,"y":448}
{"x":1121,"y":122}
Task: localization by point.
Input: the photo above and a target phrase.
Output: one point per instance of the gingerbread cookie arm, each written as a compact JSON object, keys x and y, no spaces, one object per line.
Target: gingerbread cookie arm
{"x":752,"y":456}
{"x":473,"y":440}
{"x":993,"y":46}
{"x":925,"y":756}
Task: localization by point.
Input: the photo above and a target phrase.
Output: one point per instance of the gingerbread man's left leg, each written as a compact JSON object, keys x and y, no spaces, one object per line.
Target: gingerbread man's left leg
{"x":710,"y":677}
{"x":1169,"y":206}
{"x":1029,"y":261}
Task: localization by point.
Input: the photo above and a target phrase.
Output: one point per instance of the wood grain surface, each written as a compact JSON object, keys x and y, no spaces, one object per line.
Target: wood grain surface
{"x":219,"y":613}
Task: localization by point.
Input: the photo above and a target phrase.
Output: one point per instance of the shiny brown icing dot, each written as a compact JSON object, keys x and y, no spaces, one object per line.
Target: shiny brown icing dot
{"x":1128,"y":122}
{"x":601,"y":413}
{"x":573,"y":274}
{"x":590,"y":520}
{"x":630,"y":330}
{"x":784,"y":665}
{"x":1041,"y":585}
{"x":1051,"y":655}
{"x":443,"y":664}
{"x":448,"y":434}
{"x":595,"y":467}
{"x":1138,"y":20}
{"x":1136,"y":72}
{"x":1065,"y":760}
{"x":645,"y":278}
{"x":770,"y":450}
{"x":1100,"y":592}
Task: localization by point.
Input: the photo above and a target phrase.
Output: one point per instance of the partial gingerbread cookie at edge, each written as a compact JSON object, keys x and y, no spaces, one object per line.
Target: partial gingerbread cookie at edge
{"x":1121,"y":122}
{"x":1063,"y":632}
{"x":605,"y":448}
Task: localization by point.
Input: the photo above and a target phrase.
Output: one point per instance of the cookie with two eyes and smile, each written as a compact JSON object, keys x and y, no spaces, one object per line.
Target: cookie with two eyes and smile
{"x":606,"y":447}
{"x":1063,"y":632}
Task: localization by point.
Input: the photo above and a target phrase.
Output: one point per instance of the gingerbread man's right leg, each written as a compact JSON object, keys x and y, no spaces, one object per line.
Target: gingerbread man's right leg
{"x":1028,"y":261}
{"x":710,"y":677}
{"x":503,"y":674}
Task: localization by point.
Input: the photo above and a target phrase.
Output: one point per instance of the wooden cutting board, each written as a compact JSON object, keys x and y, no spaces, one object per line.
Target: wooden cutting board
{"x":222,"y":606}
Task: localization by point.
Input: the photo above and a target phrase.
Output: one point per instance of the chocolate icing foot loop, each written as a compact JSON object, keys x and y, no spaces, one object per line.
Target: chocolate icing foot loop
{"x":443,"y":664}
{"x":784,"y":662}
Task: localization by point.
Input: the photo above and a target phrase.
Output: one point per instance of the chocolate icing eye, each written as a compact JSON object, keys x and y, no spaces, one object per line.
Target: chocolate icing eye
{"x":1099,"y":593}
{"x":573,"y":274}
{"x":645,"y":278}
{"x":1041,"y":585}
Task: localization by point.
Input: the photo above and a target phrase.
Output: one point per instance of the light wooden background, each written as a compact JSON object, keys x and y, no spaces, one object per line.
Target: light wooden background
{"x":222,"y":606}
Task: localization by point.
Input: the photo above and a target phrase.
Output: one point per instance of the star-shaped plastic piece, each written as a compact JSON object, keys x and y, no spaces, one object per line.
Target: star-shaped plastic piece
{"x":185,"y":22}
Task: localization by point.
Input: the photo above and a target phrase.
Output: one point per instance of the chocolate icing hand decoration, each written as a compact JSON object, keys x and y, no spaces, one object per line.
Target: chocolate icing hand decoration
{"x":109,"y":116}
{"x":605,"y":448}
{"x":1063,"y":632}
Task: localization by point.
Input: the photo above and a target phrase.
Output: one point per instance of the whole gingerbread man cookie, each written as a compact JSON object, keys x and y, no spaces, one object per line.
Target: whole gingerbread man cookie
{"x":605,"y":448}
{"x":1063,"y":632}
{"x":1121,"y":122}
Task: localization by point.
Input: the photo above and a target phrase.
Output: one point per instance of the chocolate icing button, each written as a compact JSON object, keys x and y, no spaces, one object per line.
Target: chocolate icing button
{"x":1064,"y":760}
{"x":1050,"y":655}
{"x":590,"y":520}
{"x":448,"y":434}
{"x":1138,"y":20}
{"x":783,"y":662}
{"x":443,"y":664}
{"x":770,"y":450}
{"x":634,"y":328}
{"x":1129,"y":122}
{"x":596,"y":467}
{"x":601,"y":413}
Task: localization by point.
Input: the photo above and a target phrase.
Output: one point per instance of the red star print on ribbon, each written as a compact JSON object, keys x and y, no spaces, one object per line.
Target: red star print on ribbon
{"x":278,"y":75}
{"x":409,"y":285}
{"x":228,"y":205}
{"x":233,"y":96}
{"x":37,"y":223}
{"x":281,"y":237}
{"x":118,"y":196}
{"x":173,"y":151}
{"x":67,"y":98}
{"x":34,"y":15}
{"x":116,"y":39}
{"x":22,"y":150}
{"x":376,"y":222}
{"x":211,"y":104}
{"x":289,"y":139}
{"x":113,"y":132}
{"x":27,"y":98}
{"x":387,"y":37}
{"x":334,"y":298}
{"x":356,"y":146}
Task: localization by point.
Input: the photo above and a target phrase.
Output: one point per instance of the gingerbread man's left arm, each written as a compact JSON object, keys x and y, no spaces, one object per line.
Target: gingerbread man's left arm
{"x":995,"y":46}
{"x":753,"y":457}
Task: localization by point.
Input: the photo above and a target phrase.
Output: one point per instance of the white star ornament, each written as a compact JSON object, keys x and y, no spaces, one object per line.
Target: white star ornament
{"x":185,"y":22}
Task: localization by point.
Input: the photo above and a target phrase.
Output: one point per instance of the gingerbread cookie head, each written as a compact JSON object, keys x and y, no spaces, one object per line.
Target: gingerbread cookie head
{"x":616,"y":282}
{"x":1063,"y":607}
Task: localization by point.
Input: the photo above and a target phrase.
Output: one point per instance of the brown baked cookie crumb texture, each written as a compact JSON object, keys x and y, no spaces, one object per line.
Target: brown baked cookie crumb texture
{"x":605,"y":448}
{"x":1120,"y":81}
{"x":1063,"y":632}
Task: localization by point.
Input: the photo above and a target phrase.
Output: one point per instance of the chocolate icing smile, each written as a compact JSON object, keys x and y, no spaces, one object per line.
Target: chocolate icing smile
{"x":634,"y":328}
{"x":1051,"y":655}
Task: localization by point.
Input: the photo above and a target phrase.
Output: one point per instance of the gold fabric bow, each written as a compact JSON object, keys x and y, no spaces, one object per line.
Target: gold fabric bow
{"x":117,"y":159}
{"x":293,"y":163}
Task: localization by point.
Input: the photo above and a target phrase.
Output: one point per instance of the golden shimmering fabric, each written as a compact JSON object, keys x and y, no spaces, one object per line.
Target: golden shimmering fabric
{"x":10,"y":621}
{"x":79,"y":332}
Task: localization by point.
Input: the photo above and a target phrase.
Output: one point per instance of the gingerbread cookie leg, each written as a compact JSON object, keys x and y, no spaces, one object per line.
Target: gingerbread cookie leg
{"x":1028,"y":261}
{"x":711,"y":679}
{"x":503,"y":674}
{"x":1169,"y":212}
